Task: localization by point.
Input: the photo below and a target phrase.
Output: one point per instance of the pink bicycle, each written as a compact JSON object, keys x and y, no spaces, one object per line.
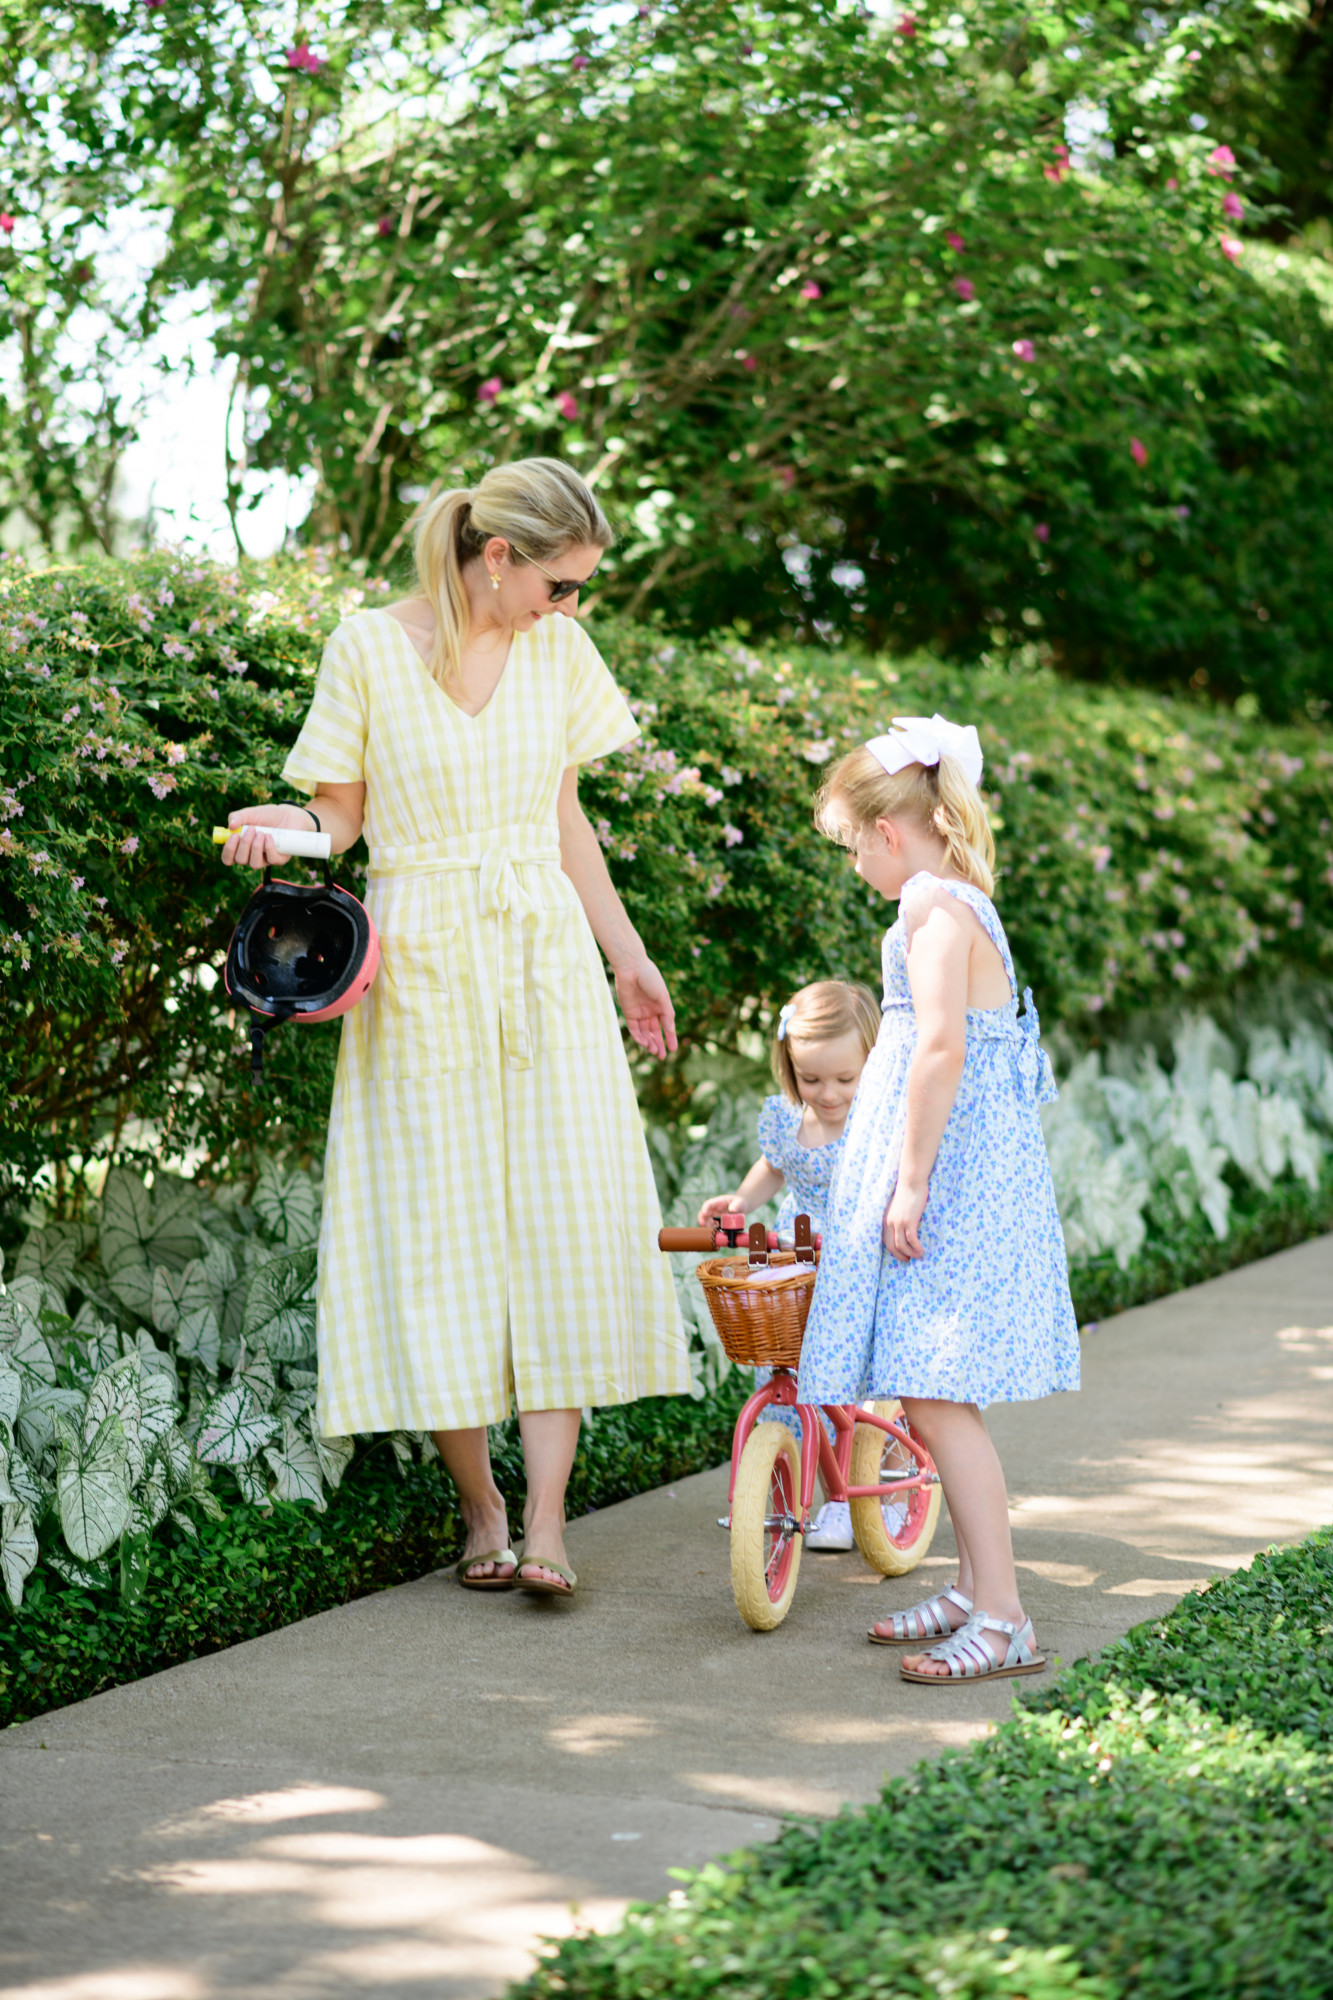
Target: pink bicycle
{"x":760,"y":1302}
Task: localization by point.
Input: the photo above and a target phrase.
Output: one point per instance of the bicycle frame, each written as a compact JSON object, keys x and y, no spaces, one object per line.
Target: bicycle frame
{"x":833,"y":1461}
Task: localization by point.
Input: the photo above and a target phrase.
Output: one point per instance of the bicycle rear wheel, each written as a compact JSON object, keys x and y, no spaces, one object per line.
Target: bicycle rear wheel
{"x":765,"y":1537}
{"x":876,"y":1457}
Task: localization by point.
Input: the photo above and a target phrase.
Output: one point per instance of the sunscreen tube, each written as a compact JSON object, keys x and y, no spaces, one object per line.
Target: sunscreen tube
{"x":310,"y":846}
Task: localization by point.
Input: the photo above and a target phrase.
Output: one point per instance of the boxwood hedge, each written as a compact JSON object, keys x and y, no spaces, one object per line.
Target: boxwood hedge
{"x":1152,"y":851}
{"x":1156,"y":1825}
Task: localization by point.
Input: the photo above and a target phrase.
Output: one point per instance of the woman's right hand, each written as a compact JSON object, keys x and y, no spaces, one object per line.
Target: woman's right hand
{"x":251,"y":849}
{"x":721,"y":1204}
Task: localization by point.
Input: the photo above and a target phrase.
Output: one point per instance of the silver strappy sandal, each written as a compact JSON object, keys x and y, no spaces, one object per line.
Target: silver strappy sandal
{"x":931,"y":1621}
{"x":968,"y":1657}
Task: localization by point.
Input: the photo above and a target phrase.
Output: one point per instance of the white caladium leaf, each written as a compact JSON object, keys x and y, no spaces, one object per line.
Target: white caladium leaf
{"x":92,"y":1487}
{"x":38,"y":1416}
{"x":295,"y":1403}
{"x":201,"y":1492}
{"x":334,"y":1455}
{"x":35,"y":1295}
{"x":254,"y":1368}
{"x":7,"y":1493}
{"x":142,"y":1228}
{"x":287,"y":1204}
{"x":51,"y":1253}
{"x":11,"y":1392}
{"x":400,"y":1444}
{"x":101,"y":1337}
{"x":182,"y":1520}
{"x":183,"y":1305}
{"x":280,"y":1306}
{"x":133,"y":1286}
{"x":253,"y":1485}
{"x":21,"y":1343}
{"x":150,"y":1500}
{"x":24,"y":1483}
{"x":219,"y":1268}
{"x":233,"y":1428}
{"x":296,"y":1467}
{"x":18,"y":1548}
{"x":88,"y":1576}
{"x":155,"y":1360}
{"x":159,"y":1406}
{"x":117,"y":1390}
{"x":175,"y":1454}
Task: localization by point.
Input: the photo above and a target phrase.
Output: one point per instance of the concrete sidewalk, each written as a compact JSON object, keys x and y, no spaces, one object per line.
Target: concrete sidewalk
{"x":400,"y":1797}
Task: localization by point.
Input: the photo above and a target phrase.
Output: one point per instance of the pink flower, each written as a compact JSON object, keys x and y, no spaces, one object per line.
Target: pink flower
{"x":304,"y":57}
{"x":965,"y":288}
{"x":810,"y":290}
{"x":1182,"y":512}
{"x":385,"y":225}
{"x":1222,"y":161}
{"x":77,"y":881}
{"x":1172,"y":185}
{"x":787,"y":474}
{"x":1042,"y":531}
{"x":1194,"y":56}
{"x":1138,"y":451}
{"x":1061,"y":167}
{"x":579,"y":62}
{"x":732,"y":835}
{"x":1232,"y":206}
{"x":906,"y":26}
{"x":748,"y":363}
{"x":489,"y":390}
{"x":1232,"y":248}
{"x":7,"y":224}
{"x":1025,"y":350}
{"x":567,"y":405}
{"x":130,"y":845}
{"x":953,"y":239}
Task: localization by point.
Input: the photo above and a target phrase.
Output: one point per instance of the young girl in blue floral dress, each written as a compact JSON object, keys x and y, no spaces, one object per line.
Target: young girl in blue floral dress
{"x":824,"y":1034}
{"x":942,"y":1278}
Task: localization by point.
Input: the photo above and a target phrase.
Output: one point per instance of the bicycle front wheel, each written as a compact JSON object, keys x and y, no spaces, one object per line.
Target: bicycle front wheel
{"x":765,"y":1516}
{"x":894,"y":1546}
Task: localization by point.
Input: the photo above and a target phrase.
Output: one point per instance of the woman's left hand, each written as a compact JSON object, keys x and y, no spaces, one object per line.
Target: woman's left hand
{"x":646,"y":1005}
{"x":902,"y":1219}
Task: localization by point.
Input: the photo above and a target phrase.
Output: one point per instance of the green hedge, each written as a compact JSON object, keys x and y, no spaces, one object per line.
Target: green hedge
{"x":1152,"y":852}
{"x":1156,"y":1825}
{"x":258,"y":1570}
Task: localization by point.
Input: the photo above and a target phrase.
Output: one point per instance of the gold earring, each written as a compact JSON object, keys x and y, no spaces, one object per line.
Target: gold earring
{"x":495,"y":579}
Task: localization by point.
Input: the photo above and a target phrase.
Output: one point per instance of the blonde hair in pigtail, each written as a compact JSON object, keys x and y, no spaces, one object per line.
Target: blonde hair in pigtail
{"x":539,"y":506}
{"x":940,"y":797}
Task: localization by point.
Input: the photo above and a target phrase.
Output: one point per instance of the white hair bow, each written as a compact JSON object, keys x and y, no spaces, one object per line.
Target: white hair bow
{"x":914,"y":740}
{"x":784,"y":1015}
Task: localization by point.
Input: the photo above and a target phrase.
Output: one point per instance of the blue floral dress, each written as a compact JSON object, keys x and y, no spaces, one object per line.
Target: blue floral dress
{"x":985,"y":1316}
{"x":807,"y":1170}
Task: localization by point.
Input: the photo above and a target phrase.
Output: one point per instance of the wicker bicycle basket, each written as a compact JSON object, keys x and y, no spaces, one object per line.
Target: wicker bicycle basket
{"x":759,"y":1325}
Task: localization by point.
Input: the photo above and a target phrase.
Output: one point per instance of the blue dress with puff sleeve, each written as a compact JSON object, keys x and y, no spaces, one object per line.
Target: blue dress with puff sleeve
{"x":985,"y":1316}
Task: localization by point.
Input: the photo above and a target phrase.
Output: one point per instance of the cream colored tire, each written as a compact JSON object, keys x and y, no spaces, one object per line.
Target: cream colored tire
{"x":876,"y":1458}
{"x":764,"y":1563}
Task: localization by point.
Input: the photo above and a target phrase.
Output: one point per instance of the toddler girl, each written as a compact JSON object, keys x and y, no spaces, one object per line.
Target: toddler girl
{"x":942,"y":1278}
{"x":824,"y":1034}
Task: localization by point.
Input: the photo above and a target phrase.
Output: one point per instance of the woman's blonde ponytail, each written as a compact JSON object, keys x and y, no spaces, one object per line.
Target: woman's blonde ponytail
{"x":539,"y":506}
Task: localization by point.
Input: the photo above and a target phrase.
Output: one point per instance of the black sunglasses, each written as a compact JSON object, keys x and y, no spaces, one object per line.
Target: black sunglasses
{"x":558,"y":589}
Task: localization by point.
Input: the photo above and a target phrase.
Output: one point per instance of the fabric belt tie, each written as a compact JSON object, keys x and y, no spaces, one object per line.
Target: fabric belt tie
{"x":1032,"y":1065}
{"x":500,"y":896}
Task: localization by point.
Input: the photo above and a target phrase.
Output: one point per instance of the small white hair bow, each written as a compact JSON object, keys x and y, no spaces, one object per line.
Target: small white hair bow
{"x":784,"y":1015}
{"x":914,"y":740}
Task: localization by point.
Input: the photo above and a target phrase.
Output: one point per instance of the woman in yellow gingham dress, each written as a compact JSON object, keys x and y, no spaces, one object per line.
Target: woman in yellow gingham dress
{"x":490,"y":1215}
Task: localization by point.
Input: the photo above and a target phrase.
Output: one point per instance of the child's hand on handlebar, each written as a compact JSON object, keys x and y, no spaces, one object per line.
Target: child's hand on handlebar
{"x":721,"y":1204}
{"x":250,"y":849}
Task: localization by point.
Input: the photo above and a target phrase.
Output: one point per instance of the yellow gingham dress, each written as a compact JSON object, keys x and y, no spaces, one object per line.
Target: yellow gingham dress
{"x":490,"y":1217}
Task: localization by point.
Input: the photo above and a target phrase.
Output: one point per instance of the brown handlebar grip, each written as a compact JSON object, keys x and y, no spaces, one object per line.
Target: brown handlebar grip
{"x":686,"y":1239}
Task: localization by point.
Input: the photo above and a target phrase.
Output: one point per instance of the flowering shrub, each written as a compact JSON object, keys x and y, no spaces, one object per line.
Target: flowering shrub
{"x":1151,"y":851}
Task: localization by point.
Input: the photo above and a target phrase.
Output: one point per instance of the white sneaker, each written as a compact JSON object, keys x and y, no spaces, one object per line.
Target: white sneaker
{"x":832,"y":1532}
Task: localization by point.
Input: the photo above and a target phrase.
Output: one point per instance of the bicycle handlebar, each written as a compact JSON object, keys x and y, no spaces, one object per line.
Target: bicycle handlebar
{"x":690,"y":1239}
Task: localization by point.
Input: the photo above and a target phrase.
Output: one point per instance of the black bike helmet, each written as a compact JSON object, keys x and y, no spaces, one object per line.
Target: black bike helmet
{"x":299,"y":953}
